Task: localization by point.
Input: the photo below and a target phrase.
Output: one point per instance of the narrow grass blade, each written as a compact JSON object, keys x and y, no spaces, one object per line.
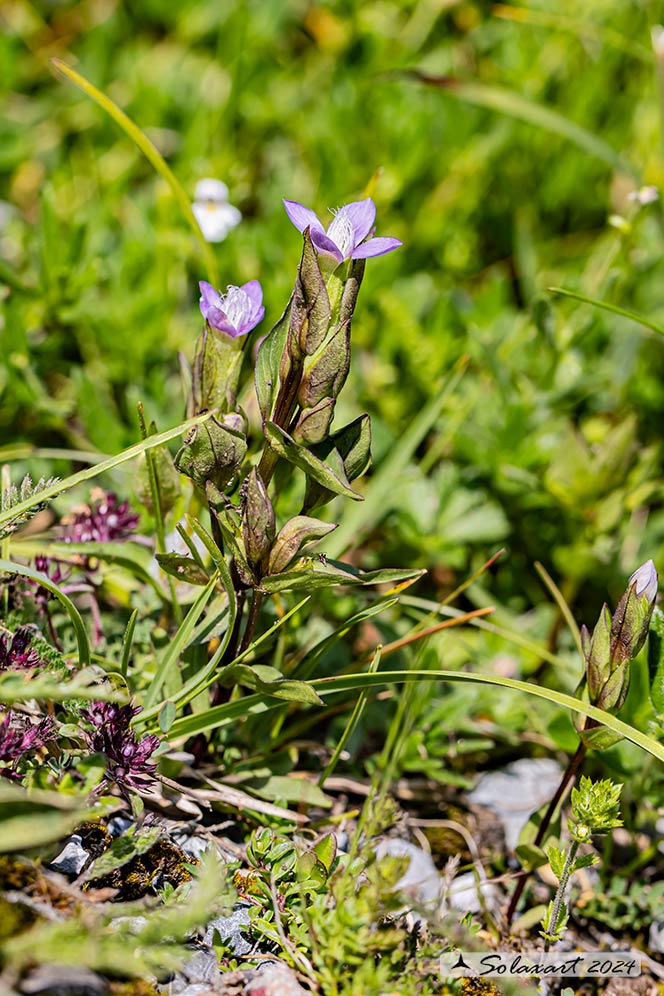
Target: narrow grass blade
{"x":178,"y":643}
{"x":359,"y":519}
{"x":24,"y":451}
{"x":157,"y":510}
{"x":200,"y":681}
{"x":559,"y":599}
{"x":126,"y":644}
{"x":508,"y":102}
{"x":605,"y":306}
{"x":151,"y":153}
{"x":65,"y":601}
{"x":350,"y":726}
{"x":231,"y":712}
{"x":576,"y":27}
{"x":105,"y":465}
{"x":81,"y":685}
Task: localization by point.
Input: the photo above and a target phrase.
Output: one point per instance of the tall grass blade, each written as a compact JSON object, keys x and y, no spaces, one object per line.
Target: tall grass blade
{"x":508,"y":102}
{"x":230,"y":712}
{"x":179,"y":643}
{"x":605,"y":306}
{"x":79,"y":628}
{"x":100,"y":468}
{"x":151,"y":153}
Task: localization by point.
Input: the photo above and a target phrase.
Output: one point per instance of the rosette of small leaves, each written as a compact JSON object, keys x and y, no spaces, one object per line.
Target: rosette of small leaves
{"x":14,"y":495}
{"x":595,"y":810}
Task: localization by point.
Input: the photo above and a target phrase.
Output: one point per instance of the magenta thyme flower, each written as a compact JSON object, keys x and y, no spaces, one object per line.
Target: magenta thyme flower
{"x":16,"y":653}
{"x":102,"y":521}
{"x":127,"y":758}
{"x":346,"y":233}
{"x":18,"y":736}
{"x":236,"y":312}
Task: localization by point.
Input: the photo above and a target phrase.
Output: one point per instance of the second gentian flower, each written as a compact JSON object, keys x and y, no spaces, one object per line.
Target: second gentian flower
{"x":236,"y":312}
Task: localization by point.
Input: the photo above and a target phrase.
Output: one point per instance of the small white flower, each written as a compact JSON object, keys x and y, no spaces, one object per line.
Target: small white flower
{"x":657,"y":36}
{"x":212,"y":211}
{"x":645,"y":580}
{"x":646,"y":195}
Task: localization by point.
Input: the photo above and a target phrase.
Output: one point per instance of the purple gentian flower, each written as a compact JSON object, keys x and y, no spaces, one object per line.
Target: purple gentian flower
{"x":127,"y":758}
{"x":346,"y":232}
{"x":237,"y":311}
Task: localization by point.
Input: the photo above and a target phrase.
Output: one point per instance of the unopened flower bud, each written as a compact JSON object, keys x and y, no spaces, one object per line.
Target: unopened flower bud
{"x":212,"y":452}
{"x":258,"y":521}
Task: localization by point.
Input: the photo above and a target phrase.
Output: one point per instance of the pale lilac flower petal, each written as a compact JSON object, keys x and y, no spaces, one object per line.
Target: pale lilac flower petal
{"x":209,"y":297}
{"x":254,"y":292}
{"x":375,"y":247}
{"x":362,"y":215}
{"x":645,"y":580}
{"x":236,"y":312}
{"x":303,"y":217}
{"x":323,"y":244}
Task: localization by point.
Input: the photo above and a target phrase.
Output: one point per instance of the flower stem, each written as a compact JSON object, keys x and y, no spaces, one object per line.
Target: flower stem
{"x":252,"y":621}
{"x":560,"y":893}
{"x":569,"y":774}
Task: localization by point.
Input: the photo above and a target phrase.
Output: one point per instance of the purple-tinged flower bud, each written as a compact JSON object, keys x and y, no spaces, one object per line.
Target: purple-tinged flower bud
{"x":258,"y":521}
{"x":236,"y":312}
{"x":617,"y":639}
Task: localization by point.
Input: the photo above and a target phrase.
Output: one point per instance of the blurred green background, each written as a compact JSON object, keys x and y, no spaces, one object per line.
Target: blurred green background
{"x":501,"y":144}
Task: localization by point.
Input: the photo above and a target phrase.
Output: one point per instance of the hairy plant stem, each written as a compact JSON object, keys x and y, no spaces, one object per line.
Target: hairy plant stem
{"x":569,"y":774}
{"x":560,"y":893}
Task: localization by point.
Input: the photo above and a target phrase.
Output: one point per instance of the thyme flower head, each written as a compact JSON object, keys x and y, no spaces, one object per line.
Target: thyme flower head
{"x":16,"y":652}
{"x":18,"y":736}
{"x":102,"y":521}
{"x":127,"y":758}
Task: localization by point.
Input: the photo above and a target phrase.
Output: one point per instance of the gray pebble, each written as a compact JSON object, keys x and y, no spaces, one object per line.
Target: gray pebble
{"x":231,"y":929}
{"x":516,"y":791}
{"x":421,"y":883}
{"x":72,"y":859}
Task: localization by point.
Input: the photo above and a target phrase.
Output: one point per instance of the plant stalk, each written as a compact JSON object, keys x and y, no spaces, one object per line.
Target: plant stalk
{"x":569,"y":774}
{"x":560,"y":893}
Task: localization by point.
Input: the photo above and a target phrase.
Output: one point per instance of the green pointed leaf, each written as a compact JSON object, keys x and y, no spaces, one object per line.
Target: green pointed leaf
{"x":286,"y":447}
{"x":656,"y":661}
{"x":297,"y":533}
{"x":530,"y":856}
{"x":262,"y":678}
{"x":181,"y":567}
{"x":268,"y":364}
